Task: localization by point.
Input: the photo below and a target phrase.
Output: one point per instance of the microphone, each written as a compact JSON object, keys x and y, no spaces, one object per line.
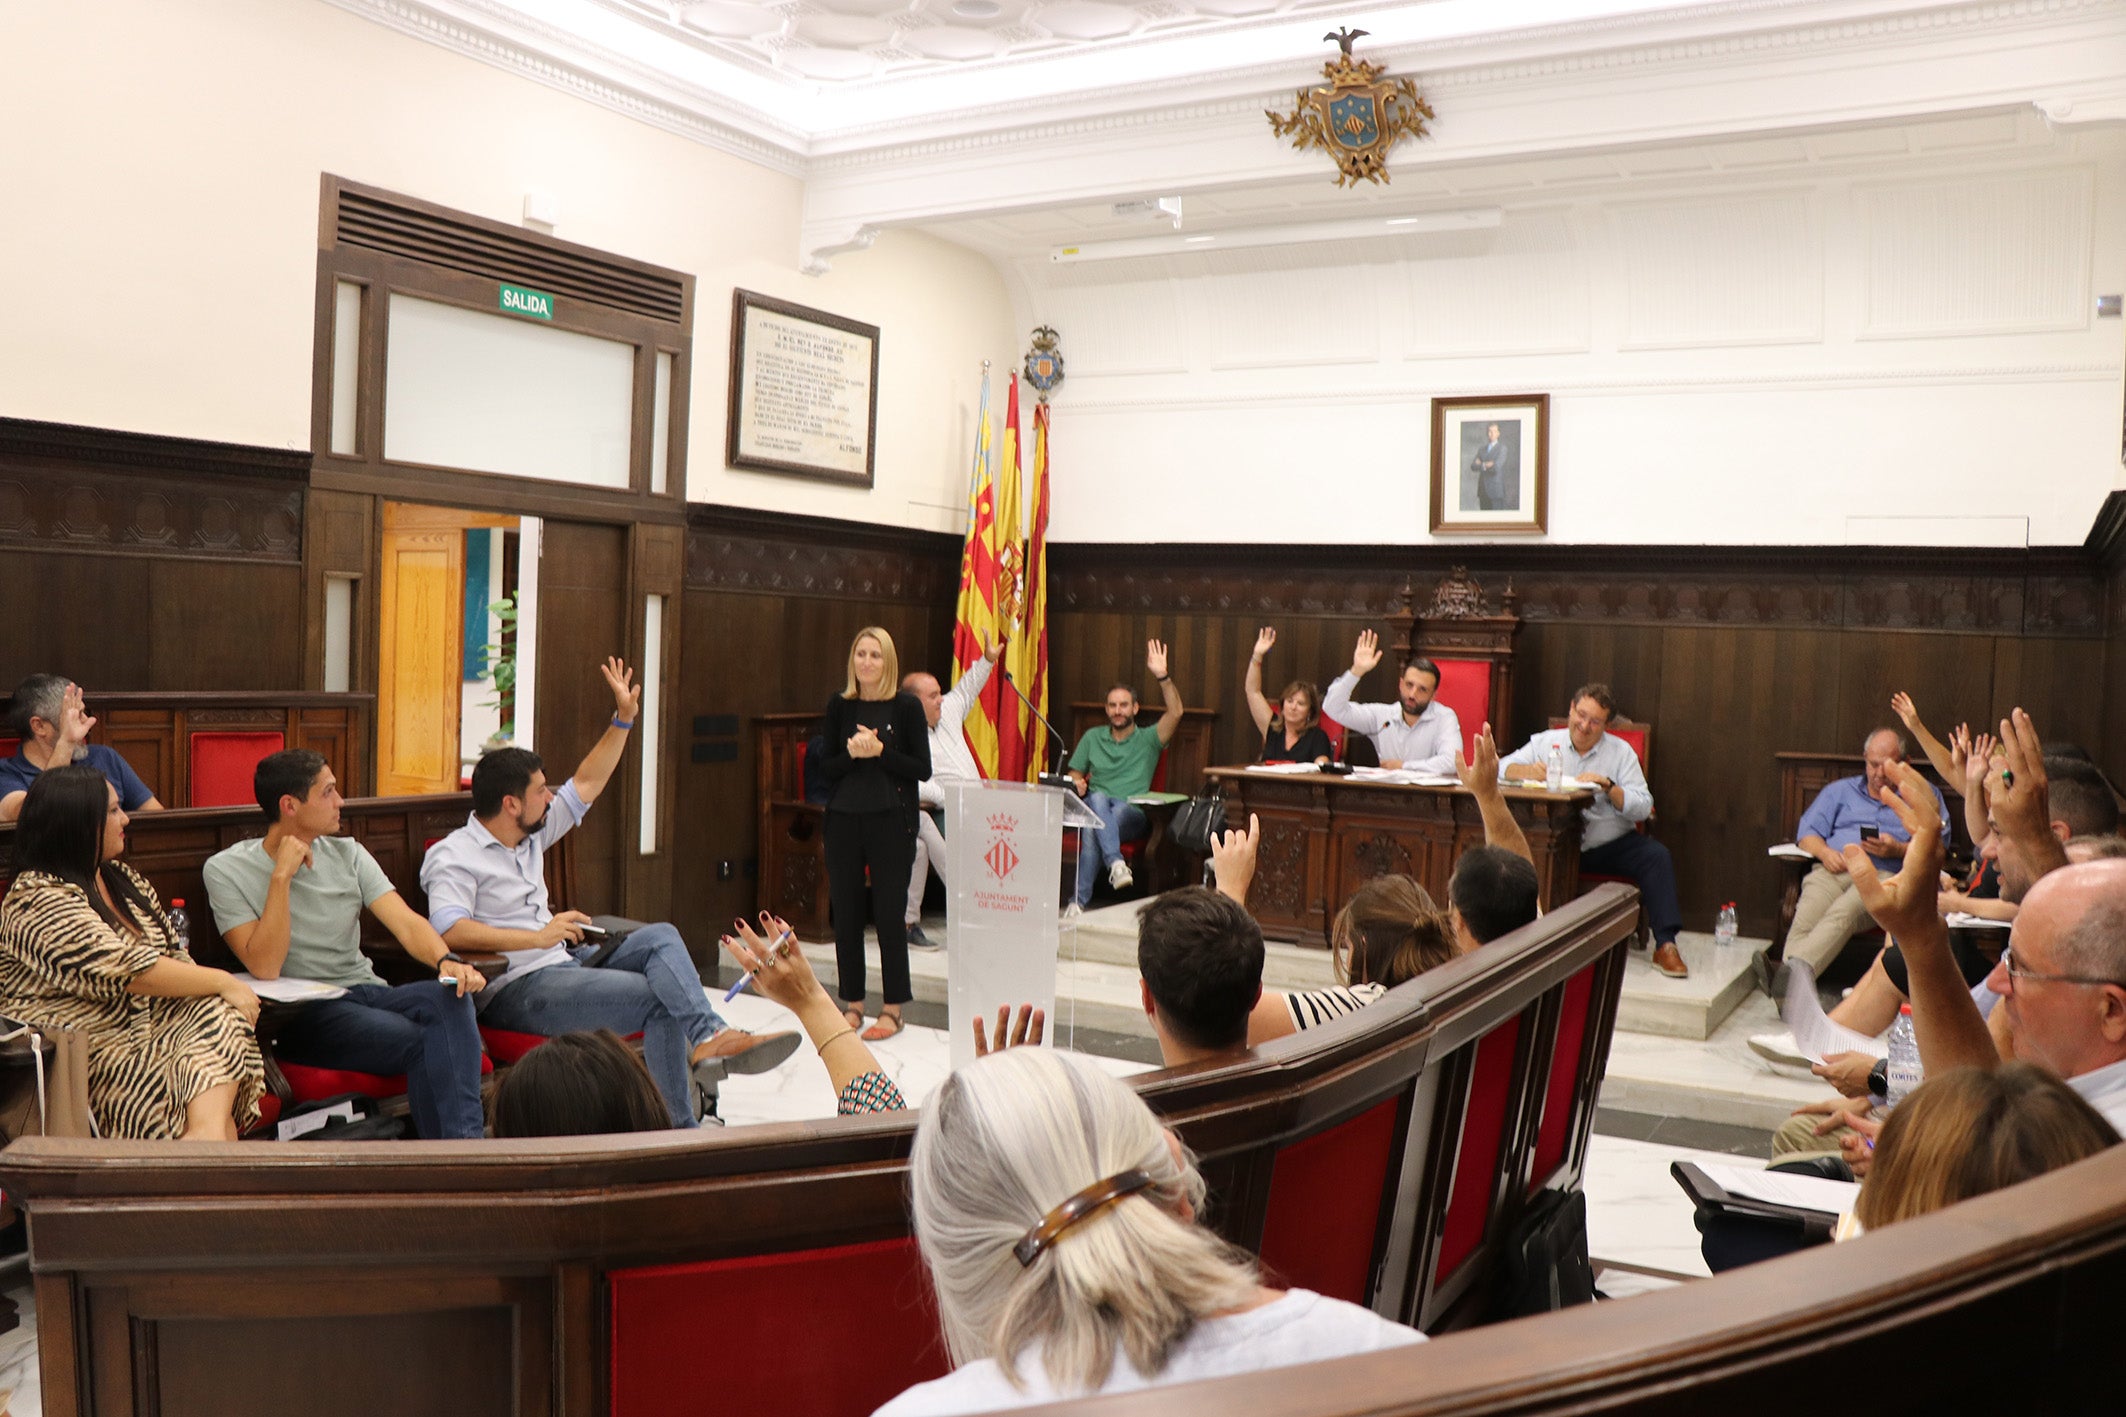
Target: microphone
{"x":1050,"y":779}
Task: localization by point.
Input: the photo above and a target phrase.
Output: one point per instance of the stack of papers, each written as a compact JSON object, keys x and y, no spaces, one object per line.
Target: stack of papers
{"x":1816,"y":1193}
{"x":1405,"y":777}
{"x":1288,"y":768}
{"x":291,"y":991}
{"x":1787,"y":851}
{"x":1961,"y":920}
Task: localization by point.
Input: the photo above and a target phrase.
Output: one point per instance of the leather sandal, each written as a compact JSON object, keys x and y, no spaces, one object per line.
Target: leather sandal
{"x":853,"y":1015}
{"x":879,"y":1032}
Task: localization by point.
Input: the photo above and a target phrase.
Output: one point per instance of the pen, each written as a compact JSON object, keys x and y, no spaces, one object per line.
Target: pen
{"x":747,"y":978}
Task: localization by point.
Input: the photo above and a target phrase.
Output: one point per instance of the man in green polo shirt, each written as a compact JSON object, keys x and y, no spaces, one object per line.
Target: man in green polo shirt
{"x":1112,"y":765}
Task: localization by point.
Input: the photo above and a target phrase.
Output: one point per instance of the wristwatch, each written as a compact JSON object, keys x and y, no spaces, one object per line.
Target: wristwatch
{"x":449,"y":957}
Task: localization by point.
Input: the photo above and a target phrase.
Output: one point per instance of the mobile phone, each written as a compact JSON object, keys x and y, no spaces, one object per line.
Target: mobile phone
{"x":1870,"y":833}
{"x":596,"y":932}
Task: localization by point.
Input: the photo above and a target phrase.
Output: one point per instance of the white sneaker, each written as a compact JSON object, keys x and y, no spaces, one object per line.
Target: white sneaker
{"x":1118,"y":876}
{"x":1073,"y":911}
{"x":1780,"y":1048}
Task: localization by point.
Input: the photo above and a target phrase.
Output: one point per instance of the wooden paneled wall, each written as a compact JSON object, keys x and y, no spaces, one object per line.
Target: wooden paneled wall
{"x":137,"y":562}
{"x":772,"y":603}
{"x":1733,"y":654}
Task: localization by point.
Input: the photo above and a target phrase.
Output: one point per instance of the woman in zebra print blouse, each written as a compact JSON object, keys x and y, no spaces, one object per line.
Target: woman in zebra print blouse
{"x":85,"y":945}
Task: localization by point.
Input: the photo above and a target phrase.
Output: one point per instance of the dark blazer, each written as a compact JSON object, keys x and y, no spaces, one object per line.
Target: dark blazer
{"x":904,"y":763}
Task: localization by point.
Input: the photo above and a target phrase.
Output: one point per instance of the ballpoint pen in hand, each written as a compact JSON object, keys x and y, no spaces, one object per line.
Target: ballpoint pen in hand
{"x":781,"y":941}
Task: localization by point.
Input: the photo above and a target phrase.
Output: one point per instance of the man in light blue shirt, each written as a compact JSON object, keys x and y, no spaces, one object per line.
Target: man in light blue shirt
{"x":1610,"y":844}
{"x":486,"y":885}
{"x":1846,"y":812}
{"x":1417,"y":732}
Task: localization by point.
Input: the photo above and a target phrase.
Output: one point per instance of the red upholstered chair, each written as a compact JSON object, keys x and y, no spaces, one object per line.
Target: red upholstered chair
{"x":1480,"y":1150}
{"x":223,"y":764}
{"x":1335,"y":732}
{"x":1567,"y":1084}
{"x":9,"y":747}
{"x":1465,"y":687}
{"x":1318,"y":1233}
{"x":307,"y":1084}
{"x":506,"y":1048}
{"x":848,"y":1327}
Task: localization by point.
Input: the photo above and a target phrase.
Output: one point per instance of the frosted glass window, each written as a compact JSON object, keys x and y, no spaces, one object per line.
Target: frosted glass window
{"x":661,"y":427}
{"x":646,"y":720}
{"x":346,"y":363}
{"x":339,"y":633}
{"x":496,"y":393}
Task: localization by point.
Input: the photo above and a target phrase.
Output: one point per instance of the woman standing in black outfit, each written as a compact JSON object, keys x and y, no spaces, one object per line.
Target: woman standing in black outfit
{"x":878,"y":749}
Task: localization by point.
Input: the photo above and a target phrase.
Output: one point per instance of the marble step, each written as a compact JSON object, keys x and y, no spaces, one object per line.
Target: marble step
{"x":1720,"y":979}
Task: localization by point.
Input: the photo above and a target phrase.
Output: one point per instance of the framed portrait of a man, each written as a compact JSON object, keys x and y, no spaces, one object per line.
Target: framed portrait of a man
{"x":1491,"y":465}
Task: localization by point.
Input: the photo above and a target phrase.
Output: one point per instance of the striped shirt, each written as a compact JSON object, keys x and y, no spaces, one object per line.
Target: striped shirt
{"x":1313,"y":1007}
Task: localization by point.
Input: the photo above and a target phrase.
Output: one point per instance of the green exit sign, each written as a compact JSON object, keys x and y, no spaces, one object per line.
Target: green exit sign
{"x":518,"y":300}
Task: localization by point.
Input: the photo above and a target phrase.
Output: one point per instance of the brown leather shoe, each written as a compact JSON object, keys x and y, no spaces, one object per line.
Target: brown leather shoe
{"x":744,"y":1052}
{"x":1669,"y":960}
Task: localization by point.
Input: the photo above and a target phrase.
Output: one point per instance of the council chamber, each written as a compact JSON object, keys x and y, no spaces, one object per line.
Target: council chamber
{"x":931,"y":706}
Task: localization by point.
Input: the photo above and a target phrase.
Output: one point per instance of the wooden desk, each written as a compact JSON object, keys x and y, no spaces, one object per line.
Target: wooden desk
{"x":1324,"y":836}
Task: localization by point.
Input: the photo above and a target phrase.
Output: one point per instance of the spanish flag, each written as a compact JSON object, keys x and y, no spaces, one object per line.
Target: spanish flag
{"x":1005,"y":708}
{"x":1027,"y":656}
{"x":976,"y":620}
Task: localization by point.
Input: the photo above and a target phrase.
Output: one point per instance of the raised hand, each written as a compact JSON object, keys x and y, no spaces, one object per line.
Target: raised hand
{"x":1155,"y":658}
{"x":74,"y":723}
{"x":627,"y":695}
{"x":1901,"y":705}
{"x":990,"y":651}
{"x":1904,"y":905}
{"x":1366,"y":655}
{"x":1479,"y":774}
{"x":1264,"y":638}
{"x":2018,"y":795}
{"x":780,"y":971}
{"x":1032,"y":1024}
{"x":1233,"y":859}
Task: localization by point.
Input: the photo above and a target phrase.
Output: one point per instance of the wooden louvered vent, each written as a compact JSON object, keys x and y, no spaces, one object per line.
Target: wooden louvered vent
{"x":377,"y":223}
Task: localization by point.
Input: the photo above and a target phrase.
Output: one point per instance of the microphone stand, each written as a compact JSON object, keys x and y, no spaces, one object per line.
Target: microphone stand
{"x":1049,"y":779}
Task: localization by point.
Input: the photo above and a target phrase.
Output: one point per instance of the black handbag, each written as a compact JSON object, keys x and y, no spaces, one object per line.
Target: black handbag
{"x":1200,"y":818}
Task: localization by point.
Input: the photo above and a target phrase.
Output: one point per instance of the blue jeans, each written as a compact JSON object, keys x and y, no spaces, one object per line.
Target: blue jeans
{"x":649,"y":985}
{"x":1097,"y":848}
{"x":425,"y":1031}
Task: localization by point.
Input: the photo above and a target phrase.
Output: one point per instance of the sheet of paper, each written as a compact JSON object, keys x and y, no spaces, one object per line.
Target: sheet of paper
{"x":1157,"y":799}
{"x":1815,"y":1033}
{"x":1781,"y":1188}
{"x":1786,"y":850}
{"x":1436,"y":779}
{"x":1961,"y":920}
{"x":291,"y":991}
{"x":1289,"y":769}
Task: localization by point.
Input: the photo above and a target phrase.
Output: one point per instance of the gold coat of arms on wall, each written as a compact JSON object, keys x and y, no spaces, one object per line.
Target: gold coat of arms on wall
{"x":1357,"y":117}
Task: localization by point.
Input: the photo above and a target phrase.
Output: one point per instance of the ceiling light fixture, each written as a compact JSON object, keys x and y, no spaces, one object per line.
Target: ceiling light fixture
{"x":1297,"y":234}
{"x":977,"y":9}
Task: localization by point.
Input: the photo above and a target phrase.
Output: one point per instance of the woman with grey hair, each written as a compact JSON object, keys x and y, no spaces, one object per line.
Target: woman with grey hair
{"x":1058,"y":1219}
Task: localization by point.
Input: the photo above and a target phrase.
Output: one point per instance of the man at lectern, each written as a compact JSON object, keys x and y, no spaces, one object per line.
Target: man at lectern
{"x":949,"y":762}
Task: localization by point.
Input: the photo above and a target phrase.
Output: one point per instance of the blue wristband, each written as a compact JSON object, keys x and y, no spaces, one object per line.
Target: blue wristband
{"x":618,"y":724}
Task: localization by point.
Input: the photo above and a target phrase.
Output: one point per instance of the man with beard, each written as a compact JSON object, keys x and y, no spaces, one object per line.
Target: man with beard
{"x":486,"y":885}
{"x":1417,"y":733}
{"x":1113,"y":764}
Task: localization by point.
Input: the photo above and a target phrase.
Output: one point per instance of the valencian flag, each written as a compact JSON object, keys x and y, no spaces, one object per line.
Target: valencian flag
{"x":976,"y":621}
{"x":1027,"y":654}
{"x":1006,"y":710}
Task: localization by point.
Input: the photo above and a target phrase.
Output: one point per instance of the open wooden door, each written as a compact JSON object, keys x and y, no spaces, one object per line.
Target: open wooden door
{"x":420,"y":646}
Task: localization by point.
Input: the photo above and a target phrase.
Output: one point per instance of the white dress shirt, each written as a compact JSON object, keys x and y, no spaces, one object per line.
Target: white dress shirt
{"x":1611,"y":757}
{"x":950,"y":761}
{"x":2105,"y":1089}
{"x":1428,"y":745}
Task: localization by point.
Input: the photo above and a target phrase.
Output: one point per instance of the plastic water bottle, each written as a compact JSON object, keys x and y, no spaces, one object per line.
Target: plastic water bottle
{"x":1724,"y":928}
{"x":1554,"y":773}
{"x":1905,"y":1072}
{"x":181,"y":922}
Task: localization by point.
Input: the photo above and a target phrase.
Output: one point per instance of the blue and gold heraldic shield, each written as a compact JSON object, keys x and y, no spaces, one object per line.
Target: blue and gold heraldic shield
{"x":1354,"y":120}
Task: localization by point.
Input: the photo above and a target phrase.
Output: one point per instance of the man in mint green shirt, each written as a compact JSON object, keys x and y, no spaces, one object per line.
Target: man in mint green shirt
{"x":1112,"y":765}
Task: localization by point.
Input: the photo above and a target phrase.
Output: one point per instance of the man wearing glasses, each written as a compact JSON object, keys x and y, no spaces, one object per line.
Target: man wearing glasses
{"x":2062,"y":980}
